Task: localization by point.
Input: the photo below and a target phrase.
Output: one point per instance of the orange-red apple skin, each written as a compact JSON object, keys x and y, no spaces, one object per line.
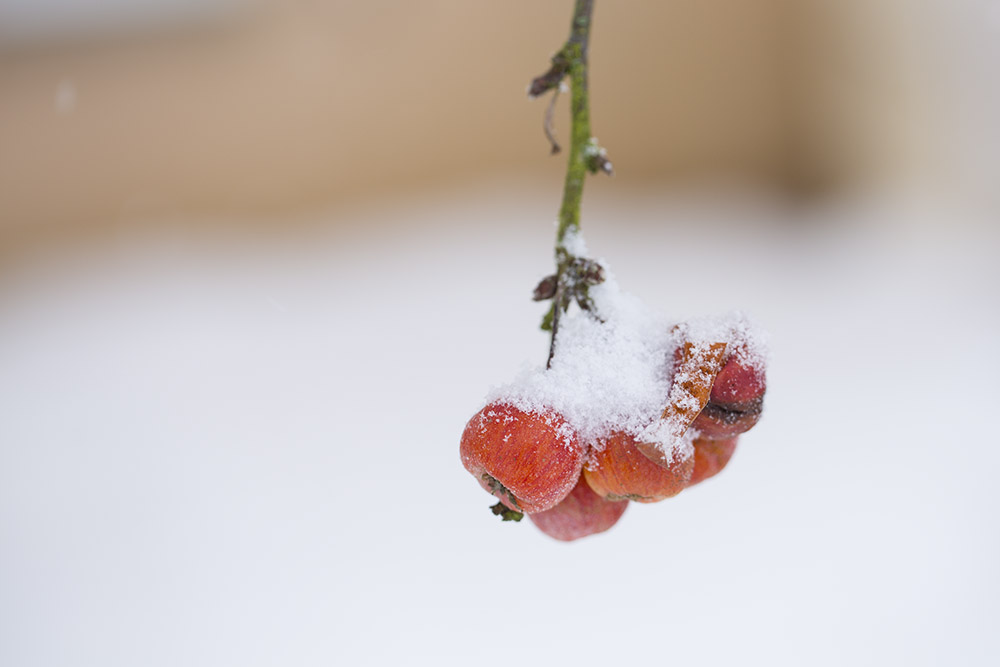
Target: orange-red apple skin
{"x":536,"y":456}
{"x":580,"y":514}
{"x":710,"y":457}
{"x":619,"y":471}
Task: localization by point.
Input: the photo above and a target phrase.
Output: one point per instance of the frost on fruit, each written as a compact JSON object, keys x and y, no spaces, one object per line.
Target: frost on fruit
{"x":616,"y":372}
{"x":620,"y":471}
{"x":633,"y":402}
{"x":629,"y":399}
{"x":528,"y":459}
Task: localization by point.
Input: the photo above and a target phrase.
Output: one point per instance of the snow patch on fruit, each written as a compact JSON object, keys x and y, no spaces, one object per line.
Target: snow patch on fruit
{"x":605,"y":375}
{"x":676,"y":443}
{"x":746,"y":339}
{"x":616,"y":373}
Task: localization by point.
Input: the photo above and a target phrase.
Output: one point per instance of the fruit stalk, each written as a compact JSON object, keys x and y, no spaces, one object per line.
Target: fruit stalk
{"x":575,"y":55}
{"x":584,"y":155}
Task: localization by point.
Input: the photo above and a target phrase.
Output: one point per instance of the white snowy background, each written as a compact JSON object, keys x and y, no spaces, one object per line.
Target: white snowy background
{"x":220,"y":449}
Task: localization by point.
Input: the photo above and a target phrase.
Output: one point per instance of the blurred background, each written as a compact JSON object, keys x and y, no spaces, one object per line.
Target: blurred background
{"x":260,"y":260}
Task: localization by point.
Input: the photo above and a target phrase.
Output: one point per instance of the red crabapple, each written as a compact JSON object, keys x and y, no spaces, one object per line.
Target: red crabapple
{"x":710,"y":457}
{"x":620,"y":471}
{"x":580,"y":514}
{"x":529,"y":460}
{"x":736,"y":401}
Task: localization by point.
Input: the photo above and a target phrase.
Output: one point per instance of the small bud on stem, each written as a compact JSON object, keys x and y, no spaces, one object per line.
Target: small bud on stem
{"x":588,"y":271}
{"x":546,"y":289}
{"x":597,"y":159}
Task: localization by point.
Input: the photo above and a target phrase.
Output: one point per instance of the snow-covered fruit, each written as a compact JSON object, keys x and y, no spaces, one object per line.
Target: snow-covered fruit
{"x":580,"y":514}
{"x":619,"y":470}
{"x":530,"y":460}
{"x":710,"y":457}
{"x":736,"y":401}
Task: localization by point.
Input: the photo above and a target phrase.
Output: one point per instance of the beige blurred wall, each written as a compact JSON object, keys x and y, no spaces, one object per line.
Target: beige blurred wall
{"x":897,"y":96}
{"x":286,"y":106}
{"x":300,"y":104}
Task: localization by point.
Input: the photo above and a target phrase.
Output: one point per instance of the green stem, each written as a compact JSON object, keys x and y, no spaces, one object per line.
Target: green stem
{"x":575,"y":55}
{"x":572,"y":61}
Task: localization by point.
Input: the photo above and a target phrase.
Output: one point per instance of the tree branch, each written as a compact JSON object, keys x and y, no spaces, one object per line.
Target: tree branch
{"x":573,"y":274}
{"x":575,"y":54}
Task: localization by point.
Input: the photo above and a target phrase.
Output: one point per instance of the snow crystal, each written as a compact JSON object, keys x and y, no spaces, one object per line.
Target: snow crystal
{"x":745,"y":338}
{"x":616,"y":373}
{"x":574,"y":244}
{"x":594,"y":149}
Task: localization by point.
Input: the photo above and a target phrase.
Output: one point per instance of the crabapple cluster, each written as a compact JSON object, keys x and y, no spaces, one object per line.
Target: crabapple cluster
{"x":535,"y":463}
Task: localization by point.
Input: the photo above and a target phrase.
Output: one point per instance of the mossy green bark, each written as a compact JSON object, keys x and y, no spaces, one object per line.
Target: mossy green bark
{"x":576,"y":168}
{"x":572,"y":60}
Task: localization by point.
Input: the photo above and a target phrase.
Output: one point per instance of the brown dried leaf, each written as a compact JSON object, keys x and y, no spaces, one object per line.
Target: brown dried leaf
{"x":697,"y":367}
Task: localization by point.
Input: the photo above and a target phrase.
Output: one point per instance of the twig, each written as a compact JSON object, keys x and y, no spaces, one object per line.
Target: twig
{"x":575,"y":54}
{"x":549,"y":125}
{"x":571,"y":62}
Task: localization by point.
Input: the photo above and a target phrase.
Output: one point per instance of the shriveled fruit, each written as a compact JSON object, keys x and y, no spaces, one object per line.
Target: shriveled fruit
{"x":580,"y":514}
{"x":620,"y":471}
{"x":529,"y":460}
{"x":736,"y":401}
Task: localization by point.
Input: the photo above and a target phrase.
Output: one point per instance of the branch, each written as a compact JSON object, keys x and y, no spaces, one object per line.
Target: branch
{"x":573,"y":274}
{"x":575,"y":54}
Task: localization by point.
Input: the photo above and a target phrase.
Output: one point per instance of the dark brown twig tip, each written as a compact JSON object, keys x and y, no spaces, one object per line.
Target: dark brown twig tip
{"x":539,"y":86}
{"x":543,"y":83}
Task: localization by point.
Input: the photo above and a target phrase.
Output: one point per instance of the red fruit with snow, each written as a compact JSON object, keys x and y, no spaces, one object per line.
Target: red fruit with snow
{"x":620,"y":471}
{"x":580,"y":514}
{"x":736,"y":401}
{"x":530,"y":460}
{"x":710,"y":457}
